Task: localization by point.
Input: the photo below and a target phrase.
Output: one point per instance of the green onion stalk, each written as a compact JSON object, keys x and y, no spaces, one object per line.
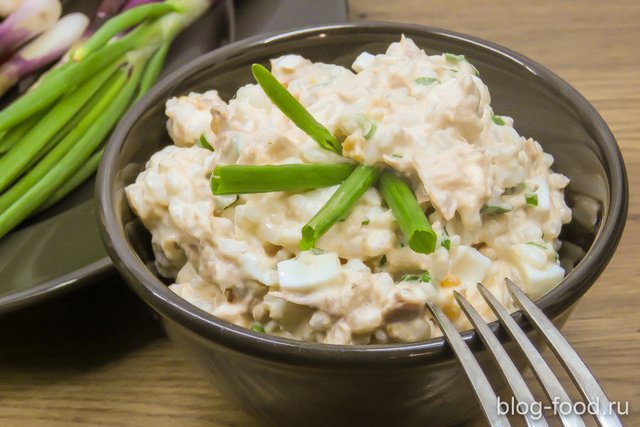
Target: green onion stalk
{"x":236,"y":179}
{"x":292,"y":108}
{"x":410,"y":216}
{"x":85,"y":171}
{"x":339,"y":204}
{"x":52,"y":138}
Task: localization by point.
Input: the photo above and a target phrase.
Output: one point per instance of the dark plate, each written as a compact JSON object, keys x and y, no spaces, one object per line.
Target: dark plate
{"x":61,"y":248}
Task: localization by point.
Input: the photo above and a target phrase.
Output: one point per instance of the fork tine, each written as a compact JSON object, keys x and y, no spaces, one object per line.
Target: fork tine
{"x":550,"y":384}
{"x":484,"y":393}
{"x":517,"y":384}
{"x":578,"y":371}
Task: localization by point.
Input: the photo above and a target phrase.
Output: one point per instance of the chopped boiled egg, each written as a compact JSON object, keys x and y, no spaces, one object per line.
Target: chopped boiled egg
{"x":308,"y":271}
{"x":537,"y":273}
{"x":363,"y":61}
{"x":469,"y":265}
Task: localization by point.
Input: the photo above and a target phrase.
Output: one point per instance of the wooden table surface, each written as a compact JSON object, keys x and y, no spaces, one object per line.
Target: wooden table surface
{"x":97,"y":357}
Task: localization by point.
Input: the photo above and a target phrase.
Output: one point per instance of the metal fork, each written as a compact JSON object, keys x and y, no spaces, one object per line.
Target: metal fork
{"x":578,"y":371}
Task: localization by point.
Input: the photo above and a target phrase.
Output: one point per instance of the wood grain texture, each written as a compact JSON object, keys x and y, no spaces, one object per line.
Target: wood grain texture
{"x":96,"y":357}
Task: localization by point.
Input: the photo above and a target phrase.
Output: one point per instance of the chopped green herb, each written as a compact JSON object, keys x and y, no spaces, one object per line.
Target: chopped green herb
{"x":397,"y":156}
{"x":365,"y":221}
{"x":426,"y":81}
{"x":233,"y":204}
{"x":445,"y":242}
{"x":545,"y":247}
{"x":518,"y":188}
{"x":538,"y":245}
{"x":368,"y":126}
{"x":460,"y":58}
{"x":474,"y":69}
{"x":224,"y":201}
{"x":202,"y":142}
{"x":383,"y":261}
{"x":498,"y":120}
{"x":492,"y":208}
{"x":532,"y":199}
{"x":258,"y":328}
{"x":372,"y":130}
{"x":424,"y":277}
{"x":454,"y":58}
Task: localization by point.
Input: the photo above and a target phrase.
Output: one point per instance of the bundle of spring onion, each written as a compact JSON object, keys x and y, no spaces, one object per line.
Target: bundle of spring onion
{"x":51,"y":137}
{"x":354,"y":180}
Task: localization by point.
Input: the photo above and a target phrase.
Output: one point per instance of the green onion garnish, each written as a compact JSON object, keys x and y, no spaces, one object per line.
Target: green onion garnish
{"x":202,"y":142}
{"x":240,"y":179}
{"x":495,"y":208}
{"x":365,"y":221}
{"x":258,"y":328}
{"x":426,"y":81}
{"x":424,"y":277}
{"x":474,"y":69}
{"x":460,"y":58}
{"x":295,"y":111}
{"x":339,"y":205}
{"x":410,"y":216}
{"x":383,"y":261}
{"x":531,"y":199}
{"x":518,"y":188}
{"x":498,"y":120}
{"x":445,"y":242}
{"x":454,"y":58}
{"x":538,"y":245}
{"x":368,"y":126}
{"x":556,"y":257}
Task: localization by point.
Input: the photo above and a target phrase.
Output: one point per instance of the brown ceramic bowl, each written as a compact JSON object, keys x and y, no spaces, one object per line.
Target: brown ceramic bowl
{"x":285,"y":381}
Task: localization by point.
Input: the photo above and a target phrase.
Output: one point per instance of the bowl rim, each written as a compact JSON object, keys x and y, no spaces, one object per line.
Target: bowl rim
{"x":239,"y":339}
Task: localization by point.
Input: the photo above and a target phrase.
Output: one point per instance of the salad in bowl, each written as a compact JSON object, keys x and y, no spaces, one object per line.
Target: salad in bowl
{"x":329,"y":204}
